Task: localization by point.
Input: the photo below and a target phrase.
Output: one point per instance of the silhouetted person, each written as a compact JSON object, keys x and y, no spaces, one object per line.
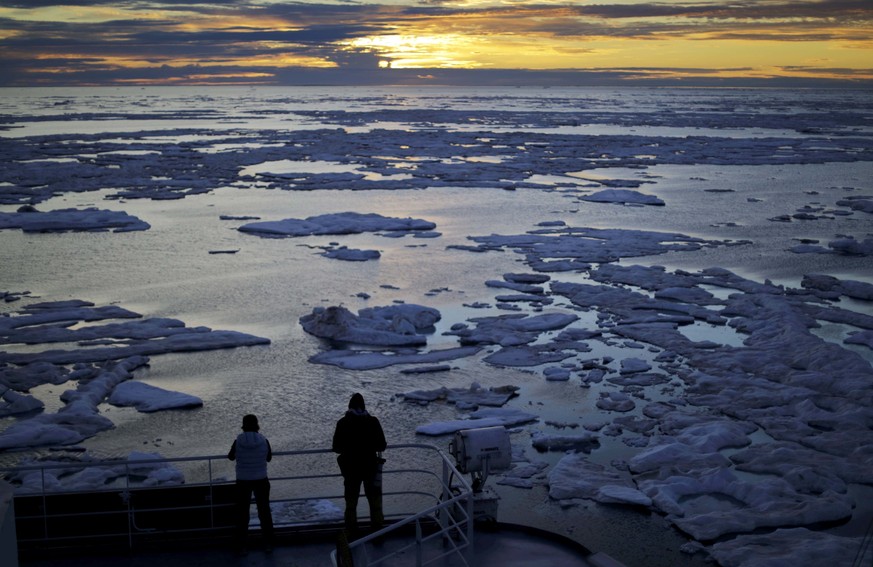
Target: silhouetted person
{"x":252,"y":452}
{"x":357,"y":439}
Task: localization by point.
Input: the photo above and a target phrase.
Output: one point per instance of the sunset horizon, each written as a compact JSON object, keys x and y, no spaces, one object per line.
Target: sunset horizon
{"x":446,"y":43}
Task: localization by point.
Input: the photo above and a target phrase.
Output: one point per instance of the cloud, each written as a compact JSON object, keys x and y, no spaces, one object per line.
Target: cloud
{"x":275,"y":41}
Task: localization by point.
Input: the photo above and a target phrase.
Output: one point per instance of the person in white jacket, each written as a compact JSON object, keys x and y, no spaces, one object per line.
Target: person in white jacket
{"x":252,"y":452}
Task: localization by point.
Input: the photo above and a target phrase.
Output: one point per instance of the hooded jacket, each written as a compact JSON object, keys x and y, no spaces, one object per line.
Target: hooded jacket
{"x":357,"y":438}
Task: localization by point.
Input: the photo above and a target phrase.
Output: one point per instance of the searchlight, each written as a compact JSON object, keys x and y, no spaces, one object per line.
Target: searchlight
{"x":478,"y":452}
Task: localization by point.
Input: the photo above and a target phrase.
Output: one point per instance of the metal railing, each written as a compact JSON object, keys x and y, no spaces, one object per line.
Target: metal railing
{"x":137,"y":500}
{"x":454,"y":514}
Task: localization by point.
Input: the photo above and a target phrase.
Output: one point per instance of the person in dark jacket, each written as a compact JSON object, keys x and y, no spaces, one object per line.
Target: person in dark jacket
{"x":358,"y":438}
{"x":252,"y":452}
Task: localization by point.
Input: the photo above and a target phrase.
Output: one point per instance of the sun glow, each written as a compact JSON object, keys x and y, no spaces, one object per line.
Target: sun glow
{"x":418,"y":51}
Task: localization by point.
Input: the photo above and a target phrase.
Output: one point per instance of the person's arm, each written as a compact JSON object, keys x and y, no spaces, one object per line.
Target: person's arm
{"x":379,"y":437}
{"x":336,"y":445}
{"x":269,"y":450}
{"x":232,"y":454}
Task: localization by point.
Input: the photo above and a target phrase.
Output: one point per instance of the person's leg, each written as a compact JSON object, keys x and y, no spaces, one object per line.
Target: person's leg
{"x":262,"y":499}
{"x":374,"y":499}
{"x":352,"y":488}
{"x":243,"y":501}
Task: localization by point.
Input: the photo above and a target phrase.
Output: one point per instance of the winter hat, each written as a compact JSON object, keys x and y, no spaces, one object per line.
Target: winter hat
{"x":357,"y":402}
{"x":250,"y":423}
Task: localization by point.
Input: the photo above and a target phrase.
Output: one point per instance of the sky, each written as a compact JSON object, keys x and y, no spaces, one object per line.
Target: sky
{"x":436,"y":42}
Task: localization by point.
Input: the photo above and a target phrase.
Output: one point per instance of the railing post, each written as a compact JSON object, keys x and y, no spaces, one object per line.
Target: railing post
{"x":469,"y":551}
{"x":45,"y":529}
{"x":446,"y":496}
{"x":418,"y":548}
{"x":211,"y":497}
{"x":130,"y":519}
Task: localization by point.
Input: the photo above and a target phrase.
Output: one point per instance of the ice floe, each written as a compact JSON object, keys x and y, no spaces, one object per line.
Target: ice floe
{"x":148,"y":398}
{"x":87,"y":473}
{"x":112,"y":342}
{"x":464,"y":398}
{"x":790,"y":547}
{"x":395,"y":325}
{"x":485,"y":417}
{"x":715,"y":502}
{"x":623,"y":197}
{"x":70,"y":220}
{"x":577,"y":477}
{"x":351,"y":254}
{"x":336,"y":223}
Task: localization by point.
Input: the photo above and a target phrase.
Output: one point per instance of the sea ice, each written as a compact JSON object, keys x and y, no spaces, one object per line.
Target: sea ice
{"x":86,"y":473}
{"x":397,"y":325}
{"x":486,"y":417}
{"x":791,"y":547}
{"x":583,"y":245}
{"x":371,"y":360}
{"x":615,"y":401}
{"x":714,"y":503}
{"x":63,"y":220}
{"x":106,"y":356}
{"x":623,"y":197}
{"x":78,"y":419}
{"x":577,"y":477}
{"x":14,"y":403}
{"x":336,"y":223}
{"x":147,"y":398}
{"x":351,"y":254}
{"x":465,"y":398}
{"x":584,"y":442}
{"x":305,"y":512}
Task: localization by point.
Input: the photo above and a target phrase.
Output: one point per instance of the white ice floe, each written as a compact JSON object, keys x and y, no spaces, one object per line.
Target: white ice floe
{"x":845,"y":245}
{"x":464,"y":398}
{"x":486,"y":417}
{"x":148,"y":398}
{"x":371,"y":360}
{"x":862,"y":203}
{"x":511,"y":330}
{"x":106,"y":356}
{"x":86,"y":473}
{"x":394,"y":325}
{"x":577,"y":477}
{"x":524,"y":474}
{"x":791,"y":547}
{"x":351,"y":254}
{"x":78,"y":419}
{"x":634,"y":365}
{"x":556,"y":374}
{"x":714,"y":502}
{"x":615,"y":401}
{"x":305,"y":512}
{"x":336,"y":223}
{"x":835,"y":286}
{"x":54,"y":322}
{"x":860,"y":338}
{"x":584,"y":442}
{"x":14,"y":403}
{"x":64,"y":220}
{"x":623,"y":197}
{"x":581,"y":245}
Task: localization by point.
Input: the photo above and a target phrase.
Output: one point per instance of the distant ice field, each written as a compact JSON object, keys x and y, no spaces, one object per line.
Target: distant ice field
{"x":719,"y":223}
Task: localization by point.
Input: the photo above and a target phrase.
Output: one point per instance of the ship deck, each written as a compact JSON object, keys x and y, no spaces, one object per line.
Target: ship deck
{"x":500,"y":545}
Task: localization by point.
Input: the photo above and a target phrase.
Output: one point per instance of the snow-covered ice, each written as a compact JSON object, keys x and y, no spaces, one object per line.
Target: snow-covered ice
{"x":147,"y":398}
{"x":739,"y":406}
{"x":336,"y":223}
{"x":63,"y":220}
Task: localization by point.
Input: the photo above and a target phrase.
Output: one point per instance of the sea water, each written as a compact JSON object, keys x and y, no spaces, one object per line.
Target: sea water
{"x":266,"y":285}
